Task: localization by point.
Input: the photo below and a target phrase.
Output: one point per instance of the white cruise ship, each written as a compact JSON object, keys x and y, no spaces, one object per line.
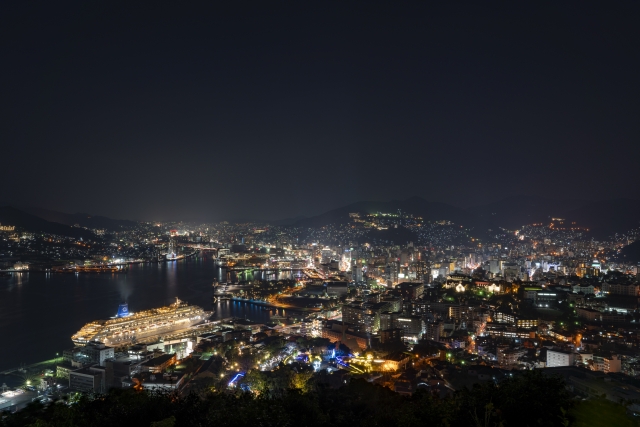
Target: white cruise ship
{"x":131,"y":327}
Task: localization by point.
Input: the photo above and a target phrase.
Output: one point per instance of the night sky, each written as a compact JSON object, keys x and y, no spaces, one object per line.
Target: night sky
{"x":277,"y":109}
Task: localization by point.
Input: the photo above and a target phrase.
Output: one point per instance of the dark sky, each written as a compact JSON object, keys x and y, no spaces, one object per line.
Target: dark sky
{"x":277,"y":109}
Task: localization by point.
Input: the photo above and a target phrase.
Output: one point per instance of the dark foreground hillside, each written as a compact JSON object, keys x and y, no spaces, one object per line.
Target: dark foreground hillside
{"x":531,"y":399}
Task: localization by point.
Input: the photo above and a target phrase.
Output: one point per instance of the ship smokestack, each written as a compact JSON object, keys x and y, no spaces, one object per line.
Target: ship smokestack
{"x":123,"y":310}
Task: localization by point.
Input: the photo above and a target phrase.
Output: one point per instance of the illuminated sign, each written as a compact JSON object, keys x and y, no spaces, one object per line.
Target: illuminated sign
{"x":123,"y":310}
{"x":7,"y":227}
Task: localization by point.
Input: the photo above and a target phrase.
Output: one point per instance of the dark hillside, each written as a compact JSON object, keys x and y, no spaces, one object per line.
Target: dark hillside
{"x":31,"y":223}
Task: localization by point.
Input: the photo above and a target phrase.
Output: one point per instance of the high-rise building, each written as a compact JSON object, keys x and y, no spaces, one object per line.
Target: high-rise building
{"x":95,"y":352}
{"x":411,"y":290}
{"x":356,"y":273}
{"x":388,"y":319}
{"x":91,"y":380}
{"x":391,"y":335}
{"x":434,"y":330}
{"x":560,"y":358}
{"x":412,"y":326}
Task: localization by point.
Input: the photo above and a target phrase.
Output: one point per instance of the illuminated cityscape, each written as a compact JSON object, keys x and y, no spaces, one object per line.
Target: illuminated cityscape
{"x":314,"y":214}
{"x":452,"y":306}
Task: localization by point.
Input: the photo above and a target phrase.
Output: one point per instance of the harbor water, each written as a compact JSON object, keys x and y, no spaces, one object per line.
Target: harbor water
{"x":40,"y":311}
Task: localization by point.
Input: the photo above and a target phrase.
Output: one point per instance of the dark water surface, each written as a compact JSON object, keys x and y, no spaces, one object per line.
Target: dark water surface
{"x":39,"y":312}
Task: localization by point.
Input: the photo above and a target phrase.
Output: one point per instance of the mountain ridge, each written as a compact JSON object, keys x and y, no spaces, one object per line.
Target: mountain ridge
{"x":603,"y":217}
{"x":412,"y":205}
{"x":12,"y":216}
{"x":79,"y":218}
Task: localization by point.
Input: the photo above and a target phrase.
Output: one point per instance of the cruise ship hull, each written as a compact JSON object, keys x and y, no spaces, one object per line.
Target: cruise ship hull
{"x":144,"y":326}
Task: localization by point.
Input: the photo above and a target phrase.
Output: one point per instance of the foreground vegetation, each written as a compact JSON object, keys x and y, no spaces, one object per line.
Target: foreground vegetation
{"x":531,"y":399}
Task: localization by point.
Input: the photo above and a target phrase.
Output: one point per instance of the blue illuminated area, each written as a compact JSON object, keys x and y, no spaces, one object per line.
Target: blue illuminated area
{"x":123,"y":310}
{"x":232,"y":382}
{"x":340,"y":362}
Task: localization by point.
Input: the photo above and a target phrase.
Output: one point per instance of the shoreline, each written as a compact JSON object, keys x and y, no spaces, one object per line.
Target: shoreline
{"x":283,"y":307}
{"x":120,"y":264}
